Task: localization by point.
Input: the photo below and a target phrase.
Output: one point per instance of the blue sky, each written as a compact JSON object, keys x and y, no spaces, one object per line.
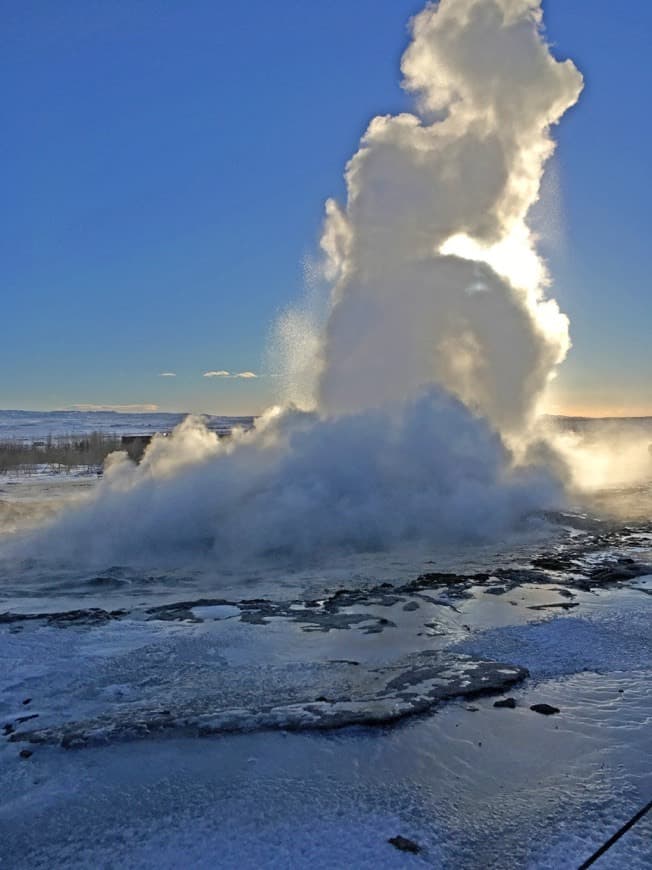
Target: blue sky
{"x":164,"y":167}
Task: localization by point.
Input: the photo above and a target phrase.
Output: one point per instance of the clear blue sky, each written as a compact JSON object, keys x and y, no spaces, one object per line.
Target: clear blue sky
{"x":165,"y":163}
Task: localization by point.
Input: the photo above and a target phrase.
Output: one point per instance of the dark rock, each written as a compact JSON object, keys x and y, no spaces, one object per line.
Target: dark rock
{"x":495,"y":590}
{"x":553,"y":563}
{"x":544,"y":709}
{"x":8,"y":728}
{"x":437,"y":578}
{"x":520,"y":576}
{"x":403,"y":844}
{"x":618,"y":573}
{"x":26,"y":753}
{"x":565,"y":593}
{"x":332,"y":614}
{"x":90,"y":617}
{"x":433,"y":629}
{"x":510,"y":703}
{"x":27,"y":701}
{"x":182,"y":610}
{"x":411,"y":605}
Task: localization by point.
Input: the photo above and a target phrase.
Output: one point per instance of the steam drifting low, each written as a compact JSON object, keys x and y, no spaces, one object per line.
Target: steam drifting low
{"x":423,"y":382}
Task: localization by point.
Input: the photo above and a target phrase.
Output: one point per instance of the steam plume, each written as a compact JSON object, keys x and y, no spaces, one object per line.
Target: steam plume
{"x":438,"y":333}
{"x":437,"y":278}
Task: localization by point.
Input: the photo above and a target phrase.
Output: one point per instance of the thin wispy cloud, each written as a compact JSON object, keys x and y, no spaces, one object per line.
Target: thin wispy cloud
{"x":120,"y":409}
{"x":167,"y":374}
{"x":224,"y":374}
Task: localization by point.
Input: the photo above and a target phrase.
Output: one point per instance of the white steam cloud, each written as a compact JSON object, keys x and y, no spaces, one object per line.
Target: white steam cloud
{"x":301,"y":486}
{"x":436,"y":346}
{"x":437,"y":275}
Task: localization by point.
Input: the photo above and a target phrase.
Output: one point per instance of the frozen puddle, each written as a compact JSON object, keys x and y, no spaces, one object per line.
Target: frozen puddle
{"x":127,"y":677}
{"x":216,"y":611}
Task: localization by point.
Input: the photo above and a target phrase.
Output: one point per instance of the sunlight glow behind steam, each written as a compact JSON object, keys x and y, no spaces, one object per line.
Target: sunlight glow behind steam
{"x":411,"y":377}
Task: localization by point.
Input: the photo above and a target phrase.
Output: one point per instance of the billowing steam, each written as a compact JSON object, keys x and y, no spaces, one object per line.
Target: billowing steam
{"x":437,"y":276}
{"x":438,"y":335}
{"x":303,"y":485}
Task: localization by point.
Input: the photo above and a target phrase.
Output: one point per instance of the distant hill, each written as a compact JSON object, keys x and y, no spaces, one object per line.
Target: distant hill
{"x":39,"y":425}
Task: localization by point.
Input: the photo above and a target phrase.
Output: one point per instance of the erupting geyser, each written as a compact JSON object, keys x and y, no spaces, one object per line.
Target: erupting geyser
{"x":438,"y":343}
{"x":437,"y":276}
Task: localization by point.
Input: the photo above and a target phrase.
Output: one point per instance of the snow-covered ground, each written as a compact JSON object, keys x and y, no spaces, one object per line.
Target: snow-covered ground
{"x":304,"y":717}
{"x":38,"y":425}
{"x":472,"y":785}
{"x":28,"y":500}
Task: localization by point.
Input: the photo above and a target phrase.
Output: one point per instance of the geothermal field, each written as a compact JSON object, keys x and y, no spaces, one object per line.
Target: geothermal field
{"x":399,"y":619}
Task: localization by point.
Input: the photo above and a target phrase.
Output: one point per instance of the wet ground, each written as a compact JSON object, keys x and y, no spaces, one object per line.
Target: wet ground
{"x":309,"y":717}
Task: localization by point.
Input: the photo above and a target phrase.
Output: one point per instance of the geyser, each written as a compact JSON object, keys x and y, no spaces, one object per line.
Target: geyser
{"x":437,"y":345}
{"x":437,"y":276}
